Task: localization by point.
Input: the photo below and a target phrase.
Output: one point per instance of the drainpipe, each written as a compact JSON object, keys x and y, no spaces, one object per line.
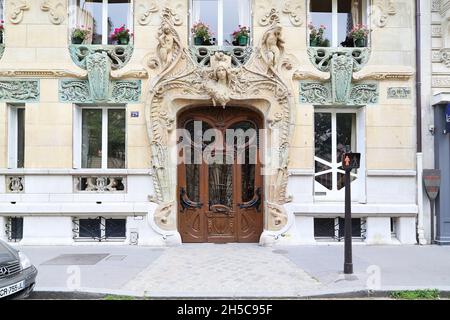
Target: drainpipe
{"x":419,"y":156}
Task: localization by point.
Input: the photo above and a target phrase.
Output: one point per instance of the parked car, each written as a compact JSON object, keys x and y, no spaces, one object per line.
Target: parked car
{"x":17,"y":274}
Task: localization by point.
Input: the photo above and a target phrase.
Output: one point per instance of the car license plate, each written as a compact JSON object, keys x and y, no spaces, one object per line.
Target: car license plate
{"x":9,"y":290}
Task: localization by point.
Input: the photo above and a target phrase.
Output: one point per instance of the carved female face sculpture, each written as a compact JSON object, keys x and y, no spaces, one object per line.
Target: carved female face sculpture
{"x":221,"y":74}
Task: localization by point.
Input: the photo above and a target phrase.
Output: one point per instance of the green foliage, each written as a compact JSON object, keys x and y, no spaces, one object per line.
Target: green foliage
{"x":113,"y":298}
{"x":81,"y":33}
{"x":430,"y":294}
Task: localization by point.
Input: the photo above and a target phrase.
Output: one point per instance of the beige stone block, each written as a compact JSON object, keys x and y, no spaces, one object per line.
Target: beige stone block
{"x":48,"y":157}
{"x":303,"y":137}
{"x":301,"y":158}
{"x":304,"y":116}
{"x":137,"y":136}
{"x":48,"y":114}
{"x":19,"y":55}
{"x":145,"y":37}
{"x":54,"y":55}
{"x":49,"y":90}
{"x":391,"y":159}
{"x":390,"y":137}
{"x":138,"y":157}
{"x":391,"y":116}
{"x":16,"y":36}
{"x":398,"y":39}
{"x":57,"y":36}
{"x":48,"y":135}
{"x":295,"y":38}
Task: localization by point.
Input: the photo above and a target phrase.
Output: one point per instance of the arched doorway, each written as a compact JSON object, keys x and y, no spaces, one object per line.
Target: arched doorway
{"x":220,"y":185}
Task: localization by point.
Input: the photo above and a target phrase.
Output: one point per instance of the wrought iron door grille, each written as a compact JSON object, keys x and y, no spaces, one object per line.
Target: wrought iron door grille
{"x":99,"y":229}
{"x":14,"y":229}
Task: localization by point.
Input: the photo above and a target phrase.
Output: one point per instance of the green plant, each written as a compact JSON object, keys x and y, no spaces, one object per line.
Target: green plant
{"x":430,"y":294}
{"x":201,"y":30}
{"x":113,"y":297}
{"x":359,"y":32}
{"x":242,"y":31}
{"x":81,"y":33}
{"x":122,"y":33}
{"x":316,"y":36}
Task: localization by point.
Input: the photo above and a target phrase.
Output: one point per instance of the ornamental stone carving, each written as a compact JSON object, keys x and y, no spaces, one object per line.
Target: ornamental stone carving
{"x":320,"y":94}
{"x":79,"y":91}
{"x":294,"y":9}
{"x":382,"y":10}
{"x":15,"y":184}
{"x":19,"y":90}
{"x":98,"y":67}
{"x":56,"y":10}
{"x":119,"y":55}
{"x":17,"y":8}
{"x":147,"y":9}
{"x":100,"y":184}
{"x":220,"y":79}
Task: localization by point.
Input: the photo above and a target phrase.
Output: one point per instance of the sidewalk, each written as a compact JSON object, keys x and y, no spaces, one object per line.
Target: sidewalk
{"x":237,"y":270}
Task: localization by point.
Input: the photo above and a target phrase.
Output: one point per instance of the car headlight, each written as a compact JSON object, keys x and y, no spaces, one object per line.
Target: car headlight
{"x":24,"y":261}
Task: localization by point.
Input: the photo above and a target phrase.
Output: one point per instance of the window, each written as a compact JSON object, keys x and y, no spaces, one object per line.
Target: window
{"x":14,"y":229}
{"x":334,"y":229}
{"x":102,"y":16}
{"x":335,"y":133}
{"x":223,"y":17}
{"x":103,"y":136}
{"x":338,"y":16}
{"x":16,"y":148}
{"x":2,"y":19}
{"x":100,"y":229}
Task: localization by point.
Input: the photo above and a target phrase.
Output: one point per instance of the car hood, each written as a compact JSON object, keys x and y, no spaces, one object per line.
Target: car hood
{"x":7,"y":253}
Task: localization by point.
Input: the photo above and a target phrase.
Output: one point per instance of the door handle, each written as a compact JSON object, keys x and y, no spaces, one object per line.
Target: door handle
{"x":255,"y":202}
{"x":186,"y":203}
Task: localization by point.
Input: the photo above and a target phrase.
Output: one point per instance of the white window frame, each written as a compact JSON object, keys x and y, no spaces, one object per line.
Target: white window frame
{"x":105,"y":16}
{"x":13,"y":134}
{"x":220,"y":38}
{"x":358,"y":187}
{"x":335,"y":41}
{"x":78,"y":135}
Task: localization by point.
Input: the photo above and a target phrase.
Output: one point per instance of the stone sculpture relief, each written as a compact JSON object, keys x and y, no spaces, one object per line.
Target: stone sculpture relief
{"x":56,"y":10}
{"x":381,"y":10}
{"x":221,"y":82}
{"x":18,"y":8}
{"x":147,"y":9}
{"x":19,"y":90}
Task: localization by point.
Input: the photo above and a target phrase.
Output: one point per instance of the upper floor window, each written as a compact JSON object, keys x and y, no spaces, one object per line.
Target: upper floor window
{"x":224,"y":18}
{"x":101,"y":18}
{"x":338,"y":23}
{"x":1,"y":21}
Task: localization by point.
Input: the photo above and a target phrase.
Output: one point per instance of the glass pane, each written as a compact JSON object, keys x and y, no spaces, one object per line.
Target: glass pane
{"x":326,"y":180}
{"x":323,"y":136}
{"x":248,"y":177}
{"x":324,"y":228}
{"x":236,"y":13}
{"x":341,"y":179}
{"x":116,"y":139}
{"x":20,"y":138}
{"x":16,"y":229}
{"x":321,"y":14}
{"x":115,"y":228}
{"x":346,"y":134}
{"x":89,"y":228}
{"x":193,"y":182}
{"x":118,"y":15}
{"x":90,"y":15}
{"x":345,"y":18}
{"x":91,"y":149}
{"x":356,"y":228}
{"x":206,"y":11}
{"x":221,"y":185}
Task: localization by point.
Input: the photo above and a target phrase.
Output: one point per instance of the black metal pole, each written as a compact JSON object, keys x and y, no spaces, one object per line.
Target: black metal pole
{"x":348,"y":264}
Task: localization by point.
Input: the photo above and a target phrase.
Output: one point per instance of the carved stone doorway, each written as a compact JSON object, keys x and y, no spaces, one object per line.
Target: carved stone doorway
{"x":220,"y":185}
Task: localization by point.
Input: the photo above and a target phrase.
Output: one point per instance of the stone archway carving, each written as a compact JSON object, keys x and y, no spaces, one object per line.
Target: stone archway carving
{"x":264,"y":76}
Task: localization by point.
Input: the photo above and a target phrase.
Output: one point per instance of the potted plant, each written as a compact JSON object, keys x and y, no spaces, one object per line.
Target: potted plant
{"x":359,"y":35}
{"x":79,"y":34}
{"x":2,"y":28}
{"x":122,"y":35}
{"x":316,"y":36}
{"x":201,"y":33}
{"x":241,"y":36}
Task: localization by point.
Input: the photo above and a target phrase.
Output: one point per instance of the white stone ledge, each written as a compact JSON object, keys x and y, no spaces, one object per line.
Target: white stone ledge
{"x":301,"y":172}
{"x":440,"y":98}
{"x":75,"y":172}
{"x":70,"y":209}
{"x":391,"y":173}
{"x":360,"y":210}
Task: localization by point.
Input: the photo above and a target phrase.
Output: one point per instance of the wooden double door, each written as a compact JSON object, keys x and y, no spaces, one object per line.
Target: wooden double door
{"x":219,"y":180}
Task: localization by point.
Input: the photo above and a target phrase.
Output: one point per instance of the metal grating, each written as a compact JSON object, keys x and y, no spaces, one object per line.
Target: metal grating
{"x":12,"y":268}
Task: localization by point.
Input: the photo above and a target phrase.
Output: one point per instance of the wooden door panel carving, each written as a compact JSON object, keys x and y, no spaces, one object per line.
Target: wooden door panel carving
{"x":221,"y":202}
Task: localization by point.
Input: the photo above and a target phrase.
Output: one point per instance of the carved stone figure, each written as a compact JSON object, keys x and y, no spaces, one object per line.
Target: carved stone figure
{"x":273,"y":45}
{"x":166,"y":42}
